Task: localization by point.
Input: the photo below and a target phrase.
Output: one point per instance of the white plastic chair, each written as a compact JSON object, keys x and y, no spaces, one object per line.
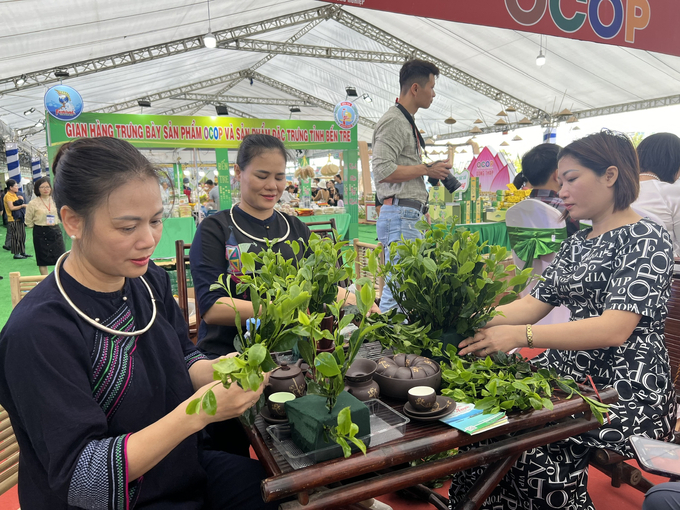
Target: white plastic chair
{"x":531,"y":213}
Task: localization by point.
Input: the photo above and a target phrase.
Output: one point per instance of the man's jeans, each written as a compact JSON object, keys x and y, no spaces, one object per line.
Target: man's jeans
{"x":394,"y":222}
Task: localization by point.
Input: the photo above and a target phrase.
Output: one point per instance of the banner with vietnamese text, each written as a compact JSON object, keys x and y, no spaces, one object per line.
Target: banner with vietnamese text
{"x":643,"y":24}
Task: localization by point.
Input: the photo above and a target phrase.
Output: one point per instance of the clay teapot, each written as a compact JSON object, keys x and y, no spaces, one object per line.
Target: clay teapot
{"x":287,"y":378}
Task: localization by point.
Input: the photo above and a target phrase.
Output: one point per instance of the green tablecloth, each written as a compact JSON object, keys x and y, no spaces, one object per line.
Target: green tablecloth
{"x":173,"y":230}
{"x":341,"y":221}
{"x":493,"y":232}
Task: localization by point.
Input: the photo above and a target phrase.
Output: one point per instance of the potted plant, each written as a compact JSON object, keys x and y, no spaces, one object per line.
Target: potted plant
{"x":313,"y":418}
{"x":444,"y":280}
{"x":276,"y":297}
{"x":324,"y":267}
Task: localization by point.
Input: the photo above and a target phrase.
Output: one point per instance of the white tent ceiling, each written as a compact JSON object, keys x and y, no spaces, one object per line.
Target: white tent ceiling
{"x":42,"y":35}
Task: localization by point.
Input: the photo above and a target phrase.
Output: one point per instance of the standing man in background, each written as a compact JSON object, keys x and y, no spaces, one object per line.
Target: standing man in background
{"x":213,"y":193}
{"x":398,"y":169}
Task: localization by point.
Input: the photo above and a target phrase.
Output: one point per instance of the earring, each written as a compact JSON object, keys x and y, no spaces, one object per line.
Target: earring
{"x":73,"y":237}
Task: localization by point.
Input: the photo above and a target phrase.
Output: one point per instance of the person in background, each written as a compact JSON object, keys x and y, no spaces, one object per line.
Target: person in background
{"x":397,"y":162}
{"x":615,"y":278}
{"x":321,"y":195}
{"x":16,"y":230}
{"x":659,"y":156}
{"x":42,"y":216}
{"x":339,"y":184}
{"x":186,"y":189}
{"x":165,"y":193}
{"x":97,"y":365}
{"x":333,"y":196}
{"x":288,"y":195}
{"x":213,"y":193}
{"x":539,"y":169}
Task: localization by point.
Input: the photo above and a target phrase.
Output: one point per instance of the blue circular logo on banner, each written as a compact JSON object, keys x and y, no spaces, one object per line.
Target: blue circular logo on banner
{"x":346,"y":115}
{"x":63,"y":102}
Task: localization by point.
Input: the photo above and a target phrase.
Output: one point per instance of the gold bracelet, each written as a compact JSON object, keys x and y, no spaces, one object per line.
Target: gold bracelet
{"x":530,"y":337}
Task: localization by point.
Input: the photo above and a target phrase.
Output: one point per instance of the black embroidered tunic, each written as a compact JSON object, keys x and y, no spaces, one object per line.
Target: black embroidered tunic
{"x":74,"y":394}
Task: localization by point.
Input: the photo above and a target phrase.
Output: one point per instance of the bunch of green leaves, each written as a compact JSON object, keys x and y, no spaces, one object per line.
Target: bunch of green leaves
{"x":245,"y":369}
{"x":407,"y":338}
{"x":329,"y":369}
{"x":444,"y":280}
{"x":504,"y":382}
{"x":324,"y":267}
{"x":344,"y":433}
{"x":270,"y":280}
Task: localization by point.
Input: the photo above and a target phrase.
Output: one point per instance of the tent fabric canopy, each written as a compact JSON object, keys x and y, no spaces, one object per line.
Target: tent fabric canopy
{"x":44,"y":35}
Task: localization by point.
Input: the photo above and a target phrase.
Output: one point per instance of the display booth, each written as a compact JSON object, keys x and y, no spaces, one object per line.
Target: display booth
{"x":219,"y":134}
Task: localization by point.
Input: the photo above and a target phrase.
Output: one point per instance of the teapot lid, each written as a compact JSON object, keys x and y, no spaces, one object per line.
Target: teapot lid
{"x":285,"y":371}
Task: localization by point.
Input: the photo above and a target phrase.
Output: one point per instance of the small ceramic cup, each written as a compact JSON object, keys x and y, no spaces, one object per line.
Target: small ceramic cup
{"x":276,"y":403}
{"x":422,"y":398}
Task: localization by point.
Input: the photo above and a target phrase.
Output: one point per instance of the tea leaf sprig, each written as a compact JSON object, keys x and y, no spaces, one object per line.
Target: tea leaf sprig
{"x":344,"y":433}
{"x":502,"y":382}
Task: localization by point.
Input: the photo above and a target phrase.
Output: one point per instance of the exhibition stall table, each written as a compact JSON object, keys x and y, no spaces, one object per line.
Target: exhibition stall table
{"x":385,"y":468}
{"x":493,"y":232}
{"x":174,"y":229}
{"x":341,"y":222}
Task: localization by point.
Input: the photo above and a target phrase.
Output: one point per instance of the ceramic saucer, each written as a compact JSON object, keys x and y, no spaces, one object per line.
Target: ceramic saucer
{"x":442,"y":407}
{"x":430,"y":417}
{"x":272,"y":420}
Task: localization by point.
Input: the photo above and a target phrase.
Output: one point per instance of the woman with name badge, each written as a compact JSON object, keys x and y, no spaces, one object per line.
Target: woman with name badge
{"x":42,"y":217}
{"x":615,"y":278}
{"x":97,"y":365}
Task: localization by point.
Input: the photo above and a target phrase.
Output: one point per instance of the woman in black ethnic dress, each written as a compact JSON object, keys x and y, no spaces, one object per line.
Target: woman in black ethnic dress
{"x":216,"y":249}
{"x":615,"y":278}
{"x":96,"y":366}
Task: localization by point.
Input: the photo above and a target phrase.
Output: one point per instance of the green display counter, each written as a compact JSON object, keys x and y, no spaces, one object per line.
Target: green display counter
{"x":493,"y":232}
{"x":173,"y":230}
{"x":341,"y":222}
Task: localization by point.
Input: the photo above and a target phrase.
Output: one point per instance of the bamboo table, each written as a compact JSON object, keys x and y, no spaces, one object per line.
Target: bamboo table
{"x":385,"y":467}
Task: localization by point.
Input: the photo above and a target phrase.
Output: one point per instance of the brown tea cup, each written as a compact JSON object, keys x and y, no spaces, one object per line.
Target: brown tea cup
{"x":276,"y":403}
{"x":422,"y":398}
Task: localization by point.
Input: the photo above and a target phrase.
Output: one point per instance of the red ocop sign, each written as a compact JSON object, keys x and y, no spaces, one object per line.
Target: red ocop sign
{"x":644,"y":24}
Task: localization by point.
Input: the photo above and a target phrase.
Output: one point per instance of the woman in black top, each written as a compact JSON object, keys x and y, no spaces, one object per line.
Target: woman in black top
{"x":97,"y":368}
{"x":223,"y":237}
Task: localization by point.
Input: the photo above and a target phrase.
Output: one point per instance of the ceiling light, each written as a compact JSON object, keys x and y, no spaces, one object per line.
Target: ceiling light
{"x":475,"y":129}
{"x":221,"y":109}
{"x":525,"y":120}
{"x":517,"y":138}
{"x":511,"y":109}
{"x":478,"y":121}
{"x":21,"y":80}
{"x":463,"y":151}
{"x":450,"y":120}
{"x":576,"y":128}
{"x":505,"y":144}
{"x":61,"y":73}
{"x":294,"y":109}
{"x":351,"y":92}
{"x":209,"y":39}
{"x":144,"y":103}
{"x":422,"y":131}
{"x":572,"y":119}
{"x":429,"y":141}
{"x":501,"y":114}
{"x":367,"y":98}
{"x":540,"y":60}
{"x":565,"y":113}
{"x":29,"y":111}
{"x":500,"y":122}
